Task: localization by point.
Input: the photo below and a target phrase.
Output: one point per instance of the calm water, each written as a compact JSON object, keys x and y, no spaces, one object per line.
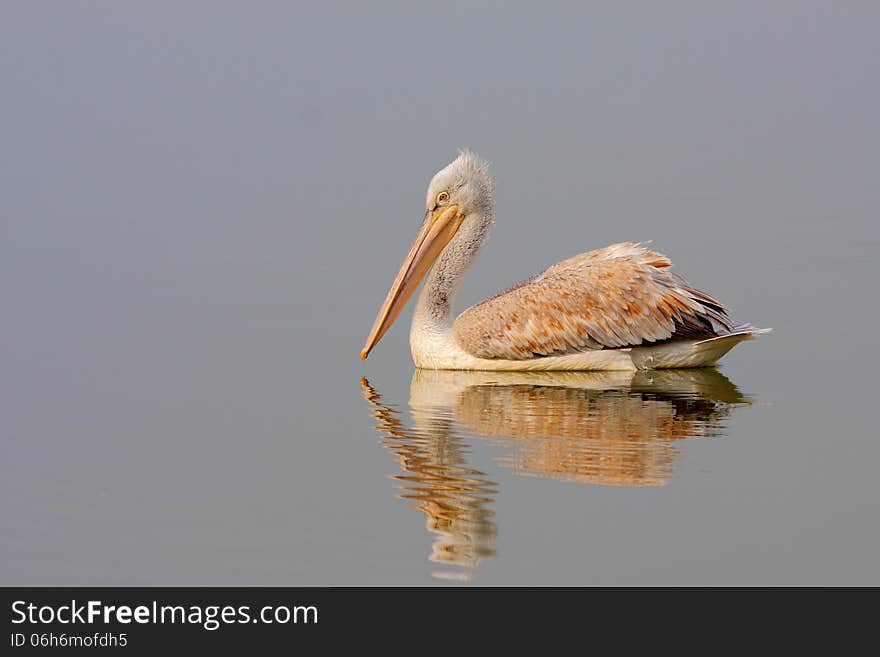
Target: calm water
{"x":616,"y":429}
{"x":201,"y":211}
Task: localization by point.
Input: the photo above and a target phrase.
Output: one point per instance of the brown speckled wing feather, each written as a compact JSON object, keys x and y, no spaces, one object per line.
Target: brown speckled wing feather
{"x":621,"y":296}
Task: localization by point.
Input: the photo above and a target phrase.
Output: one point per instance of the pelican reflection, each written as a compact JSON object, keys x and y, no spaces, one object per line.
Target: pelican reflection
{"x":608,"y":428}
{"x":437,"y":479}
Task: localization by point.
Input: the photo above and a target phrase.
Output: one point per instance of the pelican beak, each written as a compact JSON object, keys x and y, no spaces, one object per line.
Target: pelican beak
{"x":440,"y":226}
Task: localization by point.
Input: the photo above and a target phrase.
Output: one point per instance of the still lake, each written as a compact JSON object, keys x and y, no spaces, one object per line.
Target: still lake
{"x":201,"y":213}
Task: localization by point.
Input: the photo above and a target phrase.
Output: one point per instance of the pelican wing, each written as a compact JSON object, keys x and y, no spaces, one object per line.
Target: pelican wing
{"x":621,"y":296}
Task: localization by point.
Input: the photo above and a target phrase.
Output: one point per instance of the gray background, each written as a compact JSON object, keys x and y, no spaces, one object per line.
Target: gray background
{"x":202,"y":205}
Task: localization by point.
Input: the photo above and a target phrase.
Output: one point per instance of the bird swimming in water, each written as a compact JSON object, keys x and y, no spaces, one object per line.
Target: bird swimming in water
{"x":615,"y":308}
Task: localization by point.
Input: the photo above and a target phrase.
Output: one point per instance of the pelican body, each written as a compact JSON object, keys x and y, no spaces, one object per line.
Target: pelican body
{"x":615,"y":308}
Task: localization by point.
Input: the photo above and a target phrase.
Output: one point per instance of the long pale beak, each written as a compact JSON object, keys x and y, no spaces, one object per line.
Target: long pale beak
{"x":439,"y":227}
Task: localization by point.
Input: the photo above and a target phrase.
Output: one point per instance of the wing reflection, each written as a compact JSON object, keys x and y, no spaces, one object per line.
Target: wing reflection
{"x":609,"y":428}
{"x":612,"y":428}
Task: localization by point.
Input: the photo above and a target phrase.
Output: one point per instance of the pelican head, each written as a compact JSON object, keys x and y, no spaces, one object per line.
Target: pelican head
{"x":458,"y":212}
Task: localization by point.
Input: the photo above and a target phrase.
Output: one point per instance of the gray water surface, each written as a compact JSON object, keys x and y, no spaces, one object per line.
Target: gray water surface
{"x":202,"y":207}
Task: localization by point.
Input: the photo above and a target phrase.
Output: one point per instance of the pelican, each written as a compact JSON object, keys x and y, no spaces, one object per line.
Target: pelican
{"x":615,"y":308}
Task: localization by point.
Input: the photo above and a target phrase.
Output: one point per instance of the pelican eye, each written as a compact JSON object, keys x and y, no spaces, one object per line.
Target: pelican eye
{"x":442,"y":197}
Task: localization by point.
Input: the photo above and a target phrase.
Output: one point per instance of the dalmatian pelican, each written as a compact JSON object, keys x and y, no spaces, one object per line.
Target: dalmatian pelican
{"x":616,"y":308}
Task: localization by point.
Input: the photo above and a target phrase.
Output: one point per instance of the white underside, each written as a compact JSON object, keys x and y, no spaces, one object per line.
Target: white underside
{"x":438,"y":350}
